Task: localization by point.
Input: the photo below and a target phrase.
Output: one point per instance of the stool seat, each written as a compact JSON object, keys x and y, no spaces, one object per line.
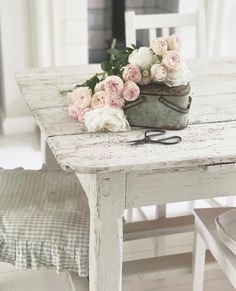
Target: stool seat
{"x":206,"y":235}
{"x":44,"y":221}
{"x":226,"y":228}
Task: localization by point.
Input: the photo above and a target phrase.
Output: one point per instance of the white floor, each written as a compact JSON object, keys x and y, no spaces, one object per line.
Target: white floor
{"x":24,"y":151}
{"x":20,"y":151}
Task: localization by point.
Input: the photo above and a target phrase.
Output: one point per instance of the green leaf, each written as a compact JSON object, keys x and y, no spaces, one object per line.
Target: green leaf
{"x":129,"y":49}
{"x":106,"y":66}
{"x":110,"y":73}
{"x":113,"y":62}
{"x":113,"y":51}
{"x":116,"y":71}
{"x":91,"y":83}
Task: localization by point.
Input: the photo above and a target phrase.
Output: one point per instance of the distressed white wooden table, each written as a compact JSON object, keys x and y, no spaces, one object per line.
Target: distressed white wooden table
{"x":116,"y":176}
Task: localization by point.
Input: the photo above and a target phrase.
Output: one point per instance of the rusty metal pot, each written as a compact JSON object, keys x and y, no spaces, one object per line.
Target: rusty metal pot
{"x":160,"y":106}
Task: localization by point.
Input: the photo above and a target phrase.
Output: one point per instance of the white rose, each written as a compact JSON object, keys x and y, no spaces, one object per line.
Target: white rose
{"x":143,"y":57}
{"x":178,"y":77}
{"x":106,"y":119}
{"x":159,"y":46}
{"x":171,"y":60}
{"x":174,"y":43}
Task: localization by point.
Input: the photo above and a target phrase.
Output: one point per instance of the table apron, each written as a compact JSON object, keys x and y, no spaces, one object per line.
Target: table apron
{"x":143,"y":189}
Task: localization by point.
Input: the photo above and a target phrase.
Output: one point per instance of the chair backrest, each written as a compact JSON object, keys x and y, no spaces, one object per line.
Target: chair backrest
{"x":152,"y":22}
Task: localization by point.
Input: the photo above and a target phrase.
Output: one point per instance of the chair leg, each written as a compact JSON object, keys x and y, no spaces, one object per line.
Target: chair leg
{"x":159,"y":243}
{"x":78,"y":283}
{"x":130,"y":215}
{"x":199,"y":253}
{"x":161,"y":210}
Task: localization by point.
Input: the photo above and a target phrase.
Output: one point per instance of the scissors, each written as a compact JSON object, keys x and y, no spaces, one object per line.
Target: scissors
{"x":151,"y":136}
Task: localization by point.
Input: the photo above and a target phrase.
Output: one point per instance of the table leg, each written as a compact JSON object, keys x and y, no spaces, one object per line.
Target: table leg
{"x":106,"y":195}
{"x":47,"y":156}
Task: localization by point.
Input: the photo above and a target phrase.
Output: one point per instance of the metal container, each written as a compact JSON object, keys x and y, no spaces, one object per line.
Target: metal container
{"x":160,"y":106}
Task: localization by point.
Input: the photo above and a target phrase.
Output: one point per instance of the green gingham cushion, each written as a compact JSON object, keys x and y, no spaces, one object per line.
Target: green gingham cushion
{"x":44,"y":221}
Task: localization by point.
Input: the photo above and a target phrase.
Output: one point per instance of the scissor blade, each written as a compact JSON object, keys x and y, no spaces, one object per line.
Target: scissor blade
{"x":171,"y":140}
{"x":137,"y":142}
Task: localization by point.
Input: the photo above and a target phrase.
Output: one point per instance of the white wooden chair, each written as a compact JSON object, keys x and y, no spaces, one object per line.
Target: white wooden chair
{"x":165,"y":22}
{"x":206,"y":236}
{"x":152,"y":22}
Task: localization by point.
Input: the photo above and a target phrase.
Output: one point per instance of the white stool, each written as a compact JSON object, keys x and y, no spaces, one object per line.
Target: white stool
{"x":206,"y":236}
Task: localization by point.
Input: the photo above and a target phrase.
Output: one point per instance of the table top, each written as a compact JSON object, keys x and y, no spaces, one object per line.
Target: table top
{"x":209,"y":139}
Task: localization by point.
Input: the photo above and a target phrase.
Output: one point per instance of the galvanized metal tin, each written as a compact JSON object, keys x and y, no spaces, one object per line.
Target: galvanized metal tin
{"x":160,"y":106}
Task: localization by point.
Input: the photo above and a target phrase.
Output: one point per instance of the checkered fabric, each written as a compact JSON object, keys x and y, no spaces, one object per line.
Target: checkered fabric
{"x":44,"y":221}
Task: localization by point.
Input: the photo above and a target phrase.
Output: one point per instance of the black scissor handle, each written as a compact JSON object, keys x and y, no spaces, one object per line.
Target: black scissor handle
{"x":175,"y":139}
{"x":154,"y":132}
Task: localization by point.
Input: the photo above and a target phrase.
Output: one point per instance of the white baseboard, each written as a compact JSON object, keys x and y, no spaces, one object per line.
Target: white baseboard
{"x":18,"y":125}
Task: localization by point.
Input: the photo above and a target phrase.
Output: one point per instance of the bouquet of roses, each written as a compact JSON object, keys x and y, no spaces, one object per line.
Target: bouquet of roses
{"x":99,"y":101}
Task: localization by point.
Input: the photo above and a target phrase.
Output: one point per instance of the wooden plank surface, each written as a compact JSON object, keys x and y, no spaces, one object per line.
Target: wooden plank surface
{"x":202,"y":144}
{"x":211,"y":77}
{"x":183,"y":184}
{"x":210,"y":137}
{"x":56,"y":121}
{"x":43,"y":88}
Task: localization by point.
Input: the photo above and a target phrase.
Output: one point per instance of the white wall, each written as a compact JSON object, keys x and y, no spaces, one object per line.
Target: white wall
{"x":37,"y":33}
{"x":15,"y":55}
{"x":70,"y":27}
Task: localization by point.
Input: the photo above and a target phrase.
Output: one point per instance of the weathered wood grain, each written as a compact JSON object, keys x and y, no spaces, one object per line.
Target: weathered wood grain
{"x":214,"y":87}
{"x":106,"y":196}
{"x":184,"y":184}
{"x":208,"y":66}
{"x":56,"y":121}
{"x":213,"y":84}
{"x":211,"y":77}
{"x":51,"y":72}
{"x":43,"y":88}
{"x":218,"y":108}
{"x":202,"y":144}
{"x":116,"y":175}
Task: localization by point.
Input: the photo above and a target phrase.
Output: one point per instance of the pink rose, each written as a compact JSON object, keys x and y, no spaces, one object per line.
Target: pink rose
{"x":74,"y":110}
{"x":145,"y":80}
{"x":98,"y":99}
{"x":113,"y":85}
{"x":99,"y":87}
{"x":82,"y":95}
{"x":174,"y":43}
{"x":159,"y":46}
{"x":82,"y":114}
{"x":132,"y":72}
{"x":171,"y":60}
{"x":114,"y":101}
{"x":131,"y":91}
{"x":158,"y":73}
